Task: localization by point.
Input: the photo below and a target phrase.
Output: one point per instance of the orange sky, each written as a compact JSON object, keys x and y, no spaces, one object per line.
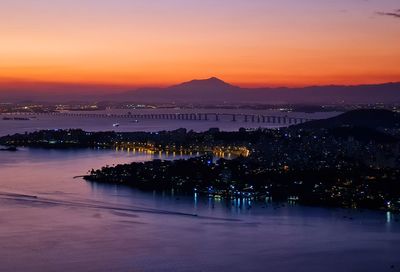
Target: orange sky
{"x":159,"y":43}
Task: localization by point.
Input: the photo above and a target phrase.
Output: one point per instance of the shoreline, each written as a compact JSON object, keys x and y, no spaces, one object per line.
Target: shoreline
{"x":178,"y":192}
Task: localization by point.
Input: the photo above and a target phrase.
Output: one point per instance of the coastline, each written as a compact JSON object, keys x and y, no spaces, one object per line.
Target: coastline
{"x":345,"y":161}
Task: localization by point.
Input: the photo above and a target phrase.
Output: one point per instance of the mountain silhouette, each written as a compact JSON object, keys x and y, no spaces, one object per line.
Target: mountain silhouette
{"x":211,"y":90}
{"x":198,"y":90}
{"x":212,"y":83}
{"x":216,"y":90}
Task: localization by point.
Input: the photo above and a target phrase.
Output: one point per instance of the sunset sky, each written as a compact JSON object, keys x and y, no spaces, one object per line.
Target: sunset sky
{"x":163,"y":42}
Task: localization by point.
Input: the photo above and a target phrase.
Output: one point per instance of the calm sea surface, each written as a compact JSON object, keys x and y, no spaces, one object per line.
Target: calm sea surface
{"x":50,"y":221}
{"x":128,"y":124}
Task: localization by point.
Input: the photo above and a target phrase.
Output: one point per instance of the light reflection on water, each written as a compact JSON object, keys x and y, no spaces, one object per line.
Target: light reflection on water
{"x":50,"y":221}
{"x":127,"y":124}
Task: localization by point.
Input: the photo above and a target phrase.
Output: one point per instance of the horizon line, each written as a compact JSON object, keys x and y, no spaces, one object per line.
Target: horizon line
{"x":26,"y":84}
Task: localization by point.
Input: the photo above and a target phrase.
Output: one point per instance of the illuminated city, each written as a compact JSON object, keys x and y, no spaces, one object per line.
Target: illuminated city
{"x":186,"y":136}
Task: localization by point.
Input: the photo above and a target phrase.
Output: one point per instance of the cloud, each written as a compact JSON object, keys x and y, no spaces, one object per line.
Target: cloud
{"x":395,"y":13}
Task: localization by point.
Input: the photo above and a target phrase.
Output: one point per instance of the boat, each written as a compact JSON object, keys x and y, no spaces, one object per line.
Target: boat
{"x":116,"y":125}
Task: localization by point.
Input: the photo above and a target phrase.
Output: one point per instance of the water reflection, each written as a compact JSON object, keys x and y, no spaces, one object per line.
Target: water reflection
{"x":388,"y":217}
{"x":77,"y":224}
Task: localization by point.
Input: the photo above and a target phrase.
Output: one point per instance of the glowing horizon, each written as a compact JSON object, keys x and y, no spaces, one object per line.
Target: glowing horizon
{"x":161,"y":43}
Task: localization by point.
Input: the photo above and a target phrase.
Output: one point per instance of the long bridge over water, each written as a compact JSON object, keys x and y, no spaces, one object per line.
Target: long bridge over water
{"x":215,"y":117}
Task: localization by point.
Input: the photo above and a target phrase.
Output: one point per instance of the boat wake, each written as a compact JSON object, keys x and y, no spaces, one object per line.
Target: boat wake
{"x":119,"y":210}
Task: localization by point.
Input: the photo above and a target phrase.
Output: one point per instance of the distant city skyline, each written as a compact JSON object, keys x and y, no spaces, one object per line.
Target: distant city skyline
{"x":161,"y":43}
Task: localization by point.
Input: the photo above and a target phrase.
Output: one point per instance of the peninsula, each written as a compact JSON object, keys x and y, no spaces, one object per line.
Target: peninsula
{"x":343,"y":161}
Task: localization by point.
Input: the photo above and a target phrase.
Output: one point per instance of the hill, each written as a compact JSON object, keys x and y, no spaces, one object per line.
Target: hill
{"x":366,"y":118}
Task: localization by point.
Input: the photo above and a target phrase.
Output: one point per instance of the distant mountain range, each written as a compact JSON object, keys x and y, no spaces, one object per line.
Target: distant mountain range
{"x":214,"y":90}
